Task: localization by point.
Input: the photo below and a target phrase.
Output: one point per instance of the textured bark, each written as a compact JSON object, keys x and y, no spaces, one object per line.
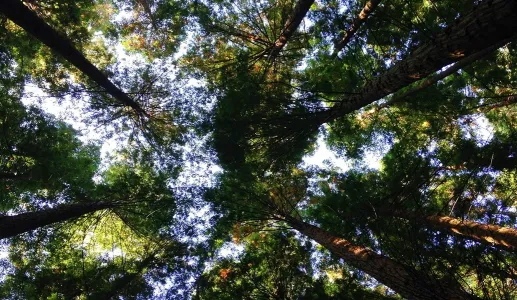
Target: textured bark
{"x":433,"y":79}
{"x":489,"y":23}
{"x":356,"y":24}
{"x":21,"y":15}
{"x":294,"y":20}
{"x":408,"y":282}
{"x":13,"y":225}
{"x":508,"y":100}
{"x":501,"y":237}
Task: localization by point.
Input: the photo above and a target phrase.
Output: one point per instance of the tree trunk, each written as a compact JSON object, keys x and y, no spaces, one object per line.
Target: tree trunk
{"x":408,"y":282}
{"x":501,"y":237}
{"x":15,"y":11}
{"x":489,"y":23}
{"x":363,"y":16}
{"x":294,"y":20}
{"x":13,"y":225}
{"x":432,"y":80}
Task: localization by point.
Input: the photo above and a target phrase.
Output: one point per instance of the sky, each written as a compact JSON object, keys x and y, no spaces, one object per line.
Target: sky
{"x":323,"y":157}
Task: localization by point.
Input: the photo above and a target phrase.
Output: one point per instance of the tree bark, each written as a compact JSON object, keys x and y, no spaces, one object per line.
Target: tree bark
{"x":13,"y":225}
{"x":294,"y":20}
{"x":490,"y":22}
{"x":356,"y":24}
{"x":433,"y":79}
{"x":498,"y":236}
{"x":21,"y":15}
{"x":406,"y":281}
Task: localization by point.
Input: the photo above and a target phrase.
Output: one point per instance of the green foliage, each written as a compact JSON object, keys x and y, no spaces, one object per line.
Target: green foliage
{"x":67,"y":265}
{"x":154,"y":28}
{"x":77,"y":21}
{"x":276,"y":265}
{"x":204,"y":74}
{"x":250,"y":123}
{"x":40,"y":153}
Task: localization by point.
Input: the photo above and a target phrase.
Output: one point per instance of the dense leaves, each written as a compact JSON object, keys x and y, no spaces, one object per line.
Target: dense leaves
{"x":124,"y":200}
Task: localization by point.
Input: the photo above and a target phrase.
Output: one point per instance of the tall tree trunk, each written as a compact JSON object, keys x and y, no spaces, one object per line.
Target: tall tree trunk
{"x":501,"y":237}
{"x":13,"y":225}
{"x":433,"y":79}
{"x":15,"y":11}
{"x":490,"y":22}
{"x":408,"y":282}
{"x":291,"y":25}
{"x":370,"y":6}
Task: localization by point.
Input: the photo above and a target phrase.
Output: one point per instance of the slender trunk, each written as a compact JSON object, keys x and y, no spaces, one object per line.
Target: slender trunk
{"x":13,"y":225}
{"x":406,"y":281}
{"x":433,"y":79}
{"x":489,"y":23}
{"x":15,"y":11}
{"x":509,"y":99}
{"x":294,"y":20}
{"x":356,"y":24}
{"x":501,"y":237}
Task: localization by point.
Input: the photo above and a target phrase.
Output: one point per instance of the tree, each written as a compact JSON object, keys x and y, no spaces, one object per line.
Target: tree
{"x":408,"y":283}
{"x":135,"y":103}
{"x":277,"y":199}
{"x":78,"y":265}
{"x":21,"y":15}
{"x":14,"y":225}
{"x":356,"y":24}
{"x":450,"y":46}
{"x":400,"y":213}
{"x":420,"y":107}
{"x":277,"y":265}
{"x":154,"y":28}
{"x":502,"y":237}
{"x":293,"y":21}
{"x":39,"y":152}
{"x":263,"y":29}
{"x":295,"y":112}
{"x":76,"y":237}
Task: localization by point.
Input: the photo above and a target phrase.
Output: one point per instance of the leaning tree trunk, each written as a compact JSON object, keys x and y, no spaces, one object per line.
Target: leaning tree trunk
{"x":433,"y":79}
{"x":368,"y":9}
{"x":20,"y":14}
{"x":291,"y":25}
{"x":406,"y":281}
{"x":490,"y":22}
{"x":498,"y":236}
{"x":13,"y":225}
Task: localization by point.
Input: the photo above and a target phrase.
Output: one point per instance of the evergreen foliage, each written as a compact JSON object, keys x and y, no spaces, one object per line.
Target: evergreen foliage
{"x":213,"y":107}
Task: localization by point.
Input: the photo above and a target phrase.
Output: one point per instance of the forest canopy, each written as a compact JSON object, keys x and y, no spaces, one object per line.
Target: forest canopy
{"x":289,"y":149}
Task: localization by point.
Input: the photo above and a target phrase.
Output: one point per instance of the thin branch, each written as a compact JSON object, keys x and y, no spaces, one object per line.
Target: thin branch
{"x":360,"y":20}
